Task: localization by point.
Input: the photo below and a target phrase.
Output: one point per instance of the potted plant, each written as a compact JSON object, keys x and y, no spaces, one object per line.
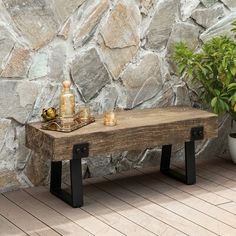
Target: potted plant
{"x":213,"y":68}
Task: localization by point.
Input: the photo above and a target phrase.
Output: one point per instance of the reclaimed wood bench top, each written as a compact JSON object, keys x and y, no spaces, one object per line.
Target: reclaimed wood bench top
{"x":136,"y":129}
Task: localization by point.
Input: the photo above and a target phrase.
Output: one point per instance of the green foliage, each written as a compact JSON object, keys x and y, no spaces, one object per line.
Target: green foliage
{"x":214,"y":68}
{"x":234,"y":28}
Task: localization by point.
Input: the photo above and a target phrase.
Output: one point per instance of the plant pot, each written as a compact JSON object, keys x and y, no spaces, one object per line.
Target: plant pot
{"x":232,"y":146}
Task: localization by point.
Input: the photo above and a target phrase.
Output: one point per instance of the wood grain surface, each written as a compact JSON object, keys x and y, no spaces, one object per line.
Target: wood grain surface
{"x":136,"y":130}
{"x":131,"y":203}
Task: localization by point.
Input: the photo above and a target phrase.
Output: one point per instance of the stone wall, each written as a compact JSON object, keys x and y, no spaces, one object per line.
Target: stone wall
{"x":116,"y":53}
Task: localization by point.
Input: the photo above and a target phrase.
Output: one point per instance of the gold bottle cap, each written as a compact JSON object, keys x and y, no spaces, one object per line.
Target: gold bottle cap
{"x":66,"y":84}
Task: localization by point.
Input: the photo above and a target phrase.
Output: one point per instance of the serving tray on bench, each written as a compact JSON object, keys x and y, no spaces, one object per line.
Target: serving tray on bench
{"x":60,"y":126}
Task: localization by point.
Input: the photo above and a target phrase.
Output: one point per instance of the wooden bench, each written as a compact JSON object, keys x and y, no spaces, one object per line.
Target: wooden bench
{"x":136,"y":129}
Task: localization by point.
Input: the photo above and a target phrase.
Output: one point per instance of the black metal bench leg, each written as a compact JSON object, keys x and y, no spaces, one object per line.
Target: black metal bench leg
{"x":76,"y":183}
{"x":56,"y":171}
{"x":75,"y":197}
{"x":190,"y":168}
{"x":165,"y":158}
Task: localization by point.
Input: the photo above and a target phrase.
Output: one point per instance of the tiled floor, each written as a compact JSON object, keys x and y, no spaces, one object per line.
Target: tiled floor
{"x":133,"y":203}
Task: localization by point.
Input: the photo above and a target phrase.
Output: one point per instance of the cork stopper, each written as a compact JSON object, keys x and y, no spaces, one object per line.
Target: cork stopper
{"x":66,"y":84}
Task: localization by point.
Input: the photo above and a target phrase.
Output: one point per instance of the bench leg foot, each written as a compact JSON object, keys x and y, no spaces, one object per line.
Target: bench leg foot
{"x":75,"y":197}
{"x":190,"y":169}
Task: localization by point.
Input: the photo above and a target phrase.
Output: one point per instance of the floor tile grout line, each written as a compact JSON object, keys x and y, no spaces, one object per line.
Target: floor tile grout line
{"x":96,"y":217}
{"x":199,"y":175}
{"x":220,"y":206}
{"x":55,"y":210}
{"x":167,"y":209}
{"x":226,"y":188}
{"x":32,"y":215}
{"x":215,"y":161}
{"x":234,"y":227}
{"x":14,"y":224}
{"x":212,"y":171}
{"x":220,"y":161}
{"x":117,"y":211}
{"x":214,"y":182}
{"x":159,"y":206}
{"x":217,"y":173}
{"x":221,"y":185}
{"x":225,"y":166}
{"x":103,"y":221}
{"x":119,"y":214}
{"x":163,"y":181}
{"x":229,"y":201}
{"x":185,"y":205}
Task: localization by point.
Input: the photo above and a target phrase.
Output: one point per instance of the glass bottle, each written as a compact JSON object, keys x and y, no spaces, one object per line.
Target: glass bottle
{"x":67,"y":101}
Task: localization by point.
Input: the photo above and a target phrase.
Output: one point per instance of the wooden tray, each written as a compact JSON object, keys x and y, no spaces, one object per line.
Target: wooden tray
{"x":61,"y":125}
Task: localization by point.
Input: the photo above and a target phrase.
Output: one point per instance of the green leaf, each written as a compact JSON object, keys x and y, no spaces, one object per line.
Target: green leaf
{"x":213,"y":102}
{"x":232,"y":85}
{"x":217,"y":92}
{"x":233,"y":70}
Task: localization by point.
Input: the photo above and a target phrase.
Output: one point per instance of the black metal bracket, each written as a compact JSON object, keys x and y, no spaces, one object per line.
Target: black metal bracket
{"x":80,"y":151}
{"x":197,"y":133}
{"x":189,"y":177}
{"x":75,"y":197}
